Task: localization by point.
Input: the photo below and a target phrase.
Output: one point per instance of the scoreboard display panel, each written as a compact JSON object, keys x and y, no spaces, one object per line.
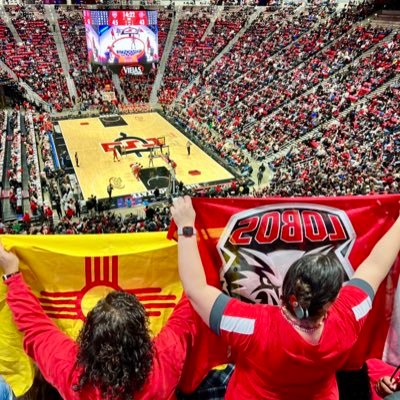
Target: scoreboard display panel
{"x":121,"y":37}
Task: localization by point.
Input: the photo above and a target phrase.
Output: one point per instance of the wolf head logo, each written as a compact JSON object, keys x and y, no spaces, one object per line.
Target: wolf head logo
{"x":259,"y":245}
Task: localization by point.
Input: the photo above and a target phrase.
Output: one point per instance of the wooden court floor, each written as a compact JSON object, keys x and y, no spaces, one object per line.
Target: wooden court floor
{"x":93,"y":143}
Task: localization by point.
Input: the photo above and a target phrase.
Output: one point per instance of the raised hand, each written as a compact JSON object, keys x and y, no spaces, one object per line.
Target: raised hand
{"x":9,"y":262}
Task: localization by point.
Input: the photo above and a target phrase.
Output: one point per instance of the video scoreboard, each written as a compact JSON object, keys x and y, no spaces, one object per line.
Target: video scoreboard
{"x":122,"y":37}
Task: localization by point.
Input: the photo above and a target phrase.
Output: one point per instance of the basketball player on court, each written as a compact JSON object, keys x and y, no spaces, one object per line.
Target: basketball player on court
{"x":151,"y":159}
{"x":133,"y":168}
{"x":115,"y":154}
{"x":123,"y":149}
{"x":133,"y":37}
{"x":138,"y":170}
{"x":136,"y":167}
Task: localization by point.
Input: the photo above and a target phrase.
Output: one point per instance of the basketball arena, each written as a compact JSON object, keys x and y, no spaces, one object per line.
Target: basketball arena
{"x":200,"y":199}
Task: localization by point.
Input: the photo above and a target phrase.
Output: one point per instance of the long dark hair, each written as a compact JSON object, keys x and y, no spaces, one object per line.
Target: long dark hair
{"x":315,"y":280}
{"x":40,"y":389}
{"x":115,"y":347}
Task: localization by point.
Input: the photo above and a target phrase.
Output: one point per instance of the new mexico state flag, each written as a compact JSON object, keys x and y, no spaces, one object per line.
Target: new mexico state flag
{"x":69,"y":274}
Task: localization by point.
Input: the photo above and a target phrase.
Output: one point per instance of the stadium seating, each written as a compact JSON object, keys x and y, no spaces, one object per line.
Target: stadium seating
{"x":36,"y":59}
{"x":187,"y":50}
{"x":355,"y":155}
{"x":245,"y":119}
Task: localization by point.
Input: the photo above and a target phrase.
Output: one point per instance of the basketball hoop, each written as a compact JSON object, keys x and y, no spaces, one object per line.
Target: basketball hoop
{"x":130,"y":30}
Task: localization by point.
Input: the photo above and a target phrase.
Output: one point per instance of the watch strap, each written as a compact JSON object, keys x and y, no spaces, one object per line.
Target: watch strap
{"x":8,"y":276}
{"x":183,"y":231}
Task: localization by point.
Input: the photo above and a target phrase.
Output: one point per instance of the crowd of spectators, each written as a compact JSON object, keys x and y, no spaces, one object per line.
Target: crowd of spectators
{"x":270,"y":33}
{"x":185,"y":49}
{"x":130,"y":108}
{"x":35,"y":60}
{"x":148,"y":219}
{"x":356,"y":155}
{"x":329,"y":98}
{"x":237,"y":108}
{"x":192,"y":51}
{"x":137,"y":89}
{"x":338,"y":77}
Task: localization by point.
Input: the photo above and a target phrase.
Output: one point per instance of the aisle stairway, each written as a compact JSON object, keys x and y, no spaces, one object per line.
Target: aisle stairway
{"x":51,"y":16}
{"x":25,"y":170}
{"x":8,"y":213}
{"x":117,"y":85}
{"x":163,"y":63}
{"x":7,"y":20}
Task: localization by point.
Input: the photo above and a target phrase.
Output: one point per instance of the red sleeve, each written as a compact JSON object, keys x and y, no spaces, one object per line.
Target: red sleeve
{"x":170,"y":347}
{"x":352,"y":307}
{"x":185,"y":350}
{"x":235,"y":321}
{"x":53,"y":351}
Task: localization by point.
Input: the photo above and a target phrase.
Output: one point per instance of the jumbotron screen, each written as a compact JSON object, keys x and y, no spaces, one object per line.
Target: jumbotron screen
{"x":121,"y":37}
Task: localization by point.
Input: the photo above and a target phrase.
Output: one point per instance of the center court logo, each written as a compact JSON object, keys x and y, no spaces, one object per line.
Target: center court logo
{"x":101,"y":277}
{"x":259,"y":245}
{"x":116,"y":182}
{"x":131,"y":144}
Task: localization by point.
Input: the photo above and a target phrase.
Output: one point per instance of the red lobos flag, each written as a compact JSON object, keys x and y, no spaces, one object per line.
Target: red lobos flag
{"x":247,"y":246}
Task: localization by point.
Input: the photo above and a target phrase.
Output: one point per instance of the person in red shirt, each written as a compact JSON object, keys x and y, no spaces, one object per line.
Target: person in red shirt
{"x":114,"y":356}
{"x":115,"y":154}
{"x":26,"y":218}
{"x":69,"y":213}
{"x":291,"y":351}
{"x":34,"y":207}
{"x":48,"y":212}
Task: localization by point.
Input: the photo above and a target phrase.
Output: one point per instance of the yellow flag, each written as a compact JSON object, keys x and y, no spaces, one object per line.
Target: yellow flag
{"x":69,"y":274}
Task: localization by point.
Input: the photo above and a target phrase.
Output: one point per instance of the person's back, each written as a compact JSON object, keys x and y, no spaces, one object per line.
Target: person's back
{"x":290,"y":357}
{"x":114,"y":356}
{"x":291,"y":351}
{"x":282,"y":364}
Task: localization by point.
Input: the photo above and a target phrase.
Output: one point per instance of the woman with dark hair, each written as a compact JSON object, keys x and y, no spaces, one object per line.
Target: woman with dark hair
{"x":114,"y":356}
{"x":290,"y":351}
{"x":309,"y":288}
{"x":115,"y":348}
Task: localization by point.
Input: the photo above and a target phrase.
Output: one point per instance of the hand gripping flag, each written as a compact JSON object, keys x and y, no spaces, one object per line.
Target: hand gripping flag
{"x":247,"y":246}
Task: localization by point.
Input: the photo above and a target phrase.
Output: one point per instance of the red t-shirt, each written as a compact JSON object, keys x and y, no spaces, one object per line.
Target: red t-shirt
{"x":182,"y":345}
{"x":273,"y":361}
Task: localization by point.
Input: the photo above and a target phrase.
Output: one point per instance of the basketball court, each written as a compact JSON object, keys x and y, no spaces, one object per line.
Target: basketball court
{"x":146,"y":139}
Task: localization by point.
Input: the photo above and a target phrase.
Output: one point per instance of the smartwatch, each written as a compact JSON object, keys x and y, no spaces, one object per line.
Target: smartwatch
{"x":8,"y":276}
{"x":187,"y":231}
